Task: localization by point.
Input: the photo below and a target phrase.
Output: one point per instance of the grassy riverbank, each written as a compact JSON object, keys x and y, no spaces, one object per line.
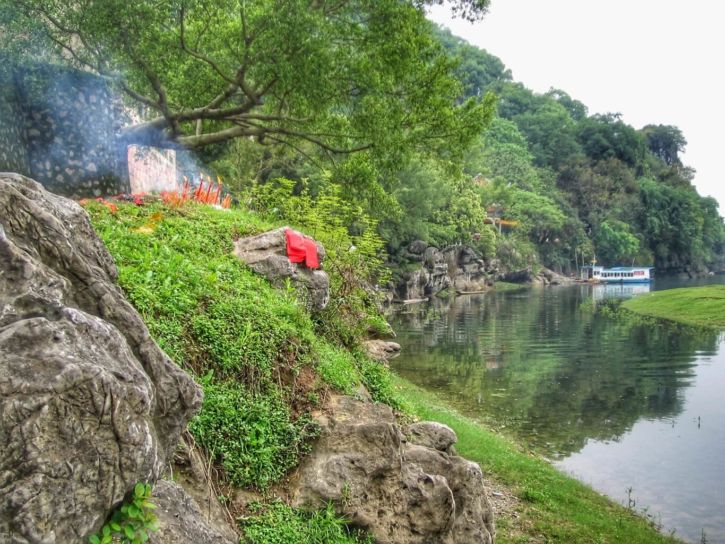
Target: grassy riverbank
{"x":264,"y":362}
{"x":697,"y":306}
{"x":543,"y":504}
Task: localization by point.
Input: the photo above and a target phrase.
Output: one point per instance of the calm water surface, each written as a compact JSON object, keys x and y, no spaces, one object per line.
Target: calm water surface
{"x":637,"y":411}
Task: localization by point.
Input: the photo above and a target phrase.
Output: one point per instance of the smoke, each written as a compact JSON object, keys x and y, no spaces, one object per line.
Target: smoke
{"x":63,"y":127}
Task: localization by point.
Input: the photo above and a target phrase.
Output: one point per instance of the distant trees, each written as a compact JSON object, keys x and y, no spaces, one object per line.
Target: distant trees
{"x":587,"y":184}
{"x":665,"y":142}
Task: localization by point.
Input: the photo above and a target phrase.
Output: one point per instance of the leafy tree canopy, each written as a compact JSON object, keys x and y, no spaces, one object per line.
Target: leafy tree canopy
{"x":344,"y":75}
{"x":665,"y":142}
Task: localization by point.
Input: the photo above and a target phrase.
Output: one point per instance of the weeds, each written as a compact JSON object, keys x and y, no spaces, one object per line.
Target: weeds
{"x":132,"y":523}
{"x":277,"y":523}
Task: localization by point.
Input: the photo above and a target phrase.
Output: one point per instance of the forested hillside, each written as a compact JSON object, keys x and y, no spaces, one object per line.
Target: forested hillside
{"x":428,"y":136}
{"x":542,"y":183}
{"x":585,"y":185}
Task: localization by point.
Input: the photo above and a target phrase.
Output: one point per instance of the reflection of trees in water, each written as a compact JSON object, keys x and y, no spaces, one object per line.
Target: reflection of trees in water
{"x":553,"y":374}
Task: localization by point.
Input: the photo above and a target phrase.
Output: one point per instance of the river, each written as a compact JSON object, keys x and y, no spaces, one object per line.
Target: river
{"x":637,"y":411}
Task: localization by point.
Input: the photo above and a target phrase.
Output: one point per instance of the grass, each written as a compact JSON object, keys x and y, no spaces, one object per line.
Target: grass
{"x":696,"y":306}
{"x":277,"y":523}
{"x":552,"y":507}
{"x":264,"y":361}
{"x":256,"y":350}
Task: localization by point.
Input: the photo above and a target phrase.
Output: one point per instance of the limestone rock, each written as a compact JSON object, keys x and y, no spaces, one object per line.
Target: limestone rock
{"x":554,"y":278}
{"x":266,"y":254}
{"x":191,"y":472}
{"x":181,"y":519}
{"x":525,"y":275}
{"x":457,"y":266}
{"x":401,"y":491}
{"x":431,"y":435}
{"x":89,"y":404}
{"x":381,"y":350}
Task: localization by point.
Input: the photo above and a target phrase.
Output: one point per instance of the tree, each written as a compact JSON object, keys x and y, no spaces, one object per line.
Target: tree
{"x":551,"y":133}
{"x":682,"y":229}
{"x":665,"y":142}
{"x":343,"y":75}
{"x":615,"y":243}
{"x":576,"y":109}
{"x":607,"y":136}
{"x":477,"y":69}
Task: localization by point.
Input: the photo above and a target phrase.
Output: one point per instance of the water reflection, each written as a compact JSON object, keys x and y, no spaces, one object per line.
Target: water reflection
{"x":577,"y":386}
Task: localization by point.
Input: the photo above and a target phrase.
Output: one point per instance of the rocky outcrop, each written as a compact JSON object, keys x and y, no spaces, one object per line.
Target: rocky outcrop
{"x":405,"y":485}
{"x":549,"y":277}
{"x":89,"y":404}
{"x":266,"y":254}
{"x":543,"y":278}
{"x":181,"y":520}
{"x":434,"y":270}
{"x":381,"y":350}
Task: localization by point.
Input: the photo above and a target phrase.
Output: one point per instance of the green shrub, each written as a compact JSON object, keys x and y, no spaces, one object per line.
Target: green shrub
{"x":338,"y":368}
{"x":280,"y":524}
{"x":378,"y":381}
{"x":132,"y":522}
{"x":252,"y":436}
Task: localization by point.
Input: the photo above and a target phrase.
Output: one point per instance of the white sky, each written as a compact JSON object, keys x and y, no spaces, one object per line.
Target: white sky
{"x":653,"y":61}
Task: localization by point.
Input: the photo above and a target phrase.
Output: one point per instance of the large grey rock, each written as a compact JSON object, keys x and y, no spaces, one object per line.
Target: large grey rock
{"x":525,"y":275}
{"x":457,"y":266}
{"x":266,"y":254}
{"x":381,"y":350}
{"x":402,"y":490}
{"x":89,"y":404}
{"x":181,"y":519}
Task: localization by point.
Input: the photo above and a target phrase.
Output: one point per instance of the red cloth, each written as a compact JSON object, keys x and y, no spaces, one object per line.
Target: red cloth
{"x":295,"y":246}
{"x":311,"y":259}
{"x":301,"y":249}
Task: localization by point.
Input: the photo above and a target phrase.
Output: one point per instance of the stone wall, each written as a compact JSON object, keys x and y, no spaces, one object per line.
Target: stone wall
{"x":13,"y":148}
{"x":63,"y":131}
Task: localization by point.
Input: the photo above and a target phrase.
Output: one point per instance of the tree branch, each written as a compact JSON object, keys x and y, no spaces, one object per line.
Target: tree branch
{"x":195,"y":54}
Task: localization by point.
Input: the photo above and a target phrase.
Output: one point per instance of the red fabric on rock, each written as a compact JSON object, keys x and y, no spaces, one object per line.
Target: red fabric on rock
{"x":295,"y":246}
{"x":301,"y":249}
{"x":311,"y":259}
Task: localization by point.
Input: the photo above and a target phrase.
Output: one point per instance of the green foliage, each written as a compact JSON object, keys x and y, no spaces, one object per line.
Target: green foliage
{"x":615,"y":243}
{"x":364,"y":75}
{"x":246,"y":342}
{"x":378,"y":380}
{"x":338,"y":368}
{"x":253,"y":437}
{"x":277,"y":523}
{"x":581,"y":174}
{"x":607,"y":136}
{"x":131,"y":523}
{"x":683,"y":230}
{"x":355,"y":250}
{"x":665,"y":142}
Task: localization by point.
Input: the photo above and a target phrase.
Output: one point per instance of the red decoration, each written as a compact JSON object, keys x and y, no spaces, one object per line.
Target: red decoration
{"x":301,"y":249}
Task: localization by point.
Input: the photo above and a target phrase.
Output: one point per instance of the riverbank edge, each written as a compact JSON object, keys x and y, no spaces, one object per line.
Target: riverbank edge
{"x":702,"y":306}
{"x":533,"y":501}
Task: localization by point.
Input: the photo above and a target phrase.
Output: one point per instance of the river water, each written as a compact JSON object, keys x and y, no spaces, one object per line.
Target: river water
{"x":636,"y":411}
